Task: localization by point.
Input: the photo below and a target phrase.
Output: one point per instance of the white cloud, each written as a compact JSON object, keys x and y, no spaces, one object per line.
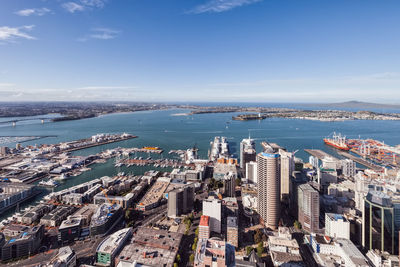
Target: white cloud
{"x":73,"y":7}
{"x":33,"y":11}
{"x":101,"y":34}
{"x":217,"y":6}
{"x":95,"y":88}
{"x":82,"y":5}
{"x":9,"y":34}
{"x":94,"y":3}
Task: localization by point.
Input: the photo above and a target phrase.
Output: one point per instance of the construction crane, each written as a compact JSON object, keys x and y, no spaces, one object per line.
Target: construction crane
{"x":105,"y":194}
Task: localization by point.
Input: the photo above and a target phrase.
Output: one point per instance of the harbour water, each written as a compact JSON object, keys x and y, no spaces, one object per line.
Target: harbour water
{"x":169,"y":129}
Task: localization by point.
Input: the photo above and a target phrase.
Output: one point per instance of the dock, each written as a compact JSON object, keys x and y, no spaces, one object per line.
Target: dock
{"x":360,"y":161}
{"x":320,"y":154}
{"x":80,"y":147}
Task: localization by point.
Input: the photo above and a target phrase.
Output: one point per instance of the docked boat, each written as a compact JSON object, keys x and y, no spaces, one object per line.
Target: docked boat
{"x":337,"y":141}
{"x":49,"y":183}
{"x":61,"y":177}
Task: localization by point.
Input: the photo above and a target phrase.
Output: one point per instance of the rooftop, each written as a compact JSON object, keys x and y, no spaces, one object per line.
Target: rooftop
{"x":204,"y":220}
{"x":112,"y":242}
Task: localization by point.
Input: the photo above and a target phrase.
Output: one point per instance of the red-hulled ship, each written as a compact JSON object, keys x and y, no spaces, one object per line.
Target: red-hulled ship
{"x":337,"y":141}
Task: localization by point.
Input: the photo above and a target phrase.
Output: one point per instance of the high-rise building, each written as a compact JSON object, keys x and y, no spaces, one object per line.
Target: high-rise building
{"x":212,"y":208}
{"x":251,"y":172}
{"x":230,"y":185}
{"x":180,"y":201}
{"x":348,"y":168}
{"x":247,"y":152}
{"x":232,"y":231}
{"x":268,"y":172}
{"x":308,"y":201}
{"x":204,"y":227}
{"x":337,"y":226}
{"x":287,"y":168}
{"x":378,"y":228}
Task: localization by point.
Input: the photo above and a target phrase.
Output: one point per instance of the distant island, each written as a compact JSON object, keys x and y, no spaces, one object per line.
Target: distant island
{"x":84,"y":110}
{"x":358,"y":104}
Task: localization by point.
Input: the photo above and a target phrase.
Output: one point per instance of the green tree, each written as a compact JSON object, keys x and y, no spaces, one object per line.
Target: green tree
{"x":178,"y":258}
{"x":238,"y":182}
{"x":260,"y":249}
{"x":297,"y":225}
{"x":249,"y":249}
{"x":196,"y":232}
{"x":175,"y":264}
{"x":258,"y":236}
{"x":191,"y":258}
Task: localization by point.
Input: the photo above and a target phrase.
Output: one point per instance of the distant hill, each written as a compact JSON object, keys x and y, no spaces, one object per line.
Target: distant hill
{"x":360,"y":105}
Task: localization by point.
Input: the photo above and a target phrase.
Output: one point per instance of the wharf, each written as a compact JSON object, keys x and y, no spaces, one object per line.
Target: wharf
{"x":100,"y":143}
{"x":360,"y":160}
{"x":320,"y":154}
{"x":34,"y":194}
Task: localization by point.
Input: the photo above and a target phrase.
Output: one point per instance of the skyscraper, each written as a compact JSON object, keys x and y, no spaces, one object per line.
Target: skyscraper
{"x":287,"y":168}
{"x":268,"y":169}
{"x":378,"y":228}
{"x":247,"y":152}
{"x":308,"y":201}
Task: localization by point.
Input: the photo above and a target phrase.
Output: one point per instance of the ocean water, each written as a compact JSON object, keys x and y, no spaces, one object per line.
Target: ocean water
{"x":169,"y":131}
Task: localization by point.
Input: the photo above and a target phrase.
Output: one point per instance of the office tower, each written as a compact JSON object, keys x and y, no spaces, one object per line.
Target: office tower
{"x":287,"y":168}
{"x":378,"y":228}
{"x":247,"y":152}
{"x":204,"y":227}
{"x":348,"y":168}
{"x":180,"y":201}
{"x":212,"y":208}
{"x":232,"y":233}
{"x":251,"y":172}
{"x":337,"y":226}
{"x":230,"y":185}
{"x":268,"y":172}
{"x":308,"y":201}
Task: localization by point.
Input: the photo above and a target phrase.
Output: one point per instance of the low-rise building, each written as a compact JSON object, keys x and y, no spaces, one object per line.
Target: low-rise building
{"x":284,"y":249}
{"x":56,"y":216}
{"x":335,"y":252}
{"x":26,"y":244}
{"x":65,"y":257}
{"x":105,"y":218}
{"x":150,"y":247}
{"x":111,"y":246}
{"x":337,"y":226}
{"x":212,"y":252}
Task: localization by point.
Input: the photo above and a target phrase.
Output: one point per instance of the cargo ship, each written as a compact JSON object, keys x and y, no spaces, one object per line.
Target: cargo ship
{"x":337,"y":141}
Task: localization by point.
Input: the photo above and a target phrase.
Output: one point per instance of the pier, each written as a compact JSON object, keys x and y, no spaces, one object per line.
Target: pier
{"x":360,"y":161}
{"x":320,"y":154}
{"x":93,"y":144}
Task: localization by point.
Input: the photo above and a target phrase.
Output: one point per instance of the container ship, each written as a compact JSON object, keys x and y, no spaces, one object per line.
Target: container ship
{"x":337,"y":141}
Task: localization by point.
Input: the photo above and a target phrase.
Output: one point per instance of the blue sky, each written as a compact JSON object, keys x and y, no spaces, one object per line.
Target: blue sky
{"x":200,"y":50}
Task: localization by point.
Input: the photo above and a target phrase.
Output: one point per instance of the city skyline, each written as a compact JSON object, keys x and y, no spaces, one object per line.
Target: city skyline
{"x":209,"y":50}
